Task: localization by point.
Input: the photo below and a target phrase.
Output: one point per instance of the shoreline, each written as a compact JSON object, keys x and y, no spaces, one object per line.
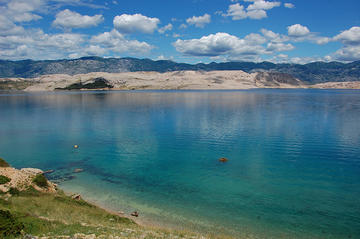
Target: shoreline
{"x":175,"y":80}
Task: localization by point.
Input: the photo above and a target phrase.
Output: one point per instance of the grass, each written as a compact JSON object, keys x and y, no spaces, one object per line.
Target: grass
{"x":4,"y":179}
{"x":52,"y":215}
{"x":41,"y":181}
{"x":3,"y":163}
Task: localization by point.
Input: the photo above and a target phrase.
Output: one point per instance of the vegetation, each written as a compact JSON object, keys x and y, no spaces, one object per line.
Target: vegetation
{"x":54,"y":215}
{"x":14,"y":85}
{"x":99,"y":83}
{"x":3,"y":163}
{"x":14,"y":191}
{"x":4,"y":179}
{"x":10,"y":226}
{"x":41,"y":181}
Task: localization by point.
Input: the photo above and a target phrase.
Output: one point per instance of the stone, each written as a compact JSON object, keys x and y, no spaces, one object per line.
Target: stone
{"x":134,"y":214}
{"x":223,"y":160}
{"x":78,"y":170}
{"x":76,"y":197}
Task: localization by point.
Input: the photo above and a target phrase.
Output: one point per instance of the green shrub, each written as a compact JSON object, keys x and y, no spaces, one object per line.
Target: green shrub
{"x":41,"y":181}
{"x":9,"y":225}
{"x":3,"y":163}
{"x":4,"y":179}
{"x":14,"y":191}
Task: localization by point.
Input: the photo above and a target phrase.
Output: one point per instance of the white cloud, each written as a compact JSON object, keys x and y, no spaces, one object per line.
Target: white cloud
{"x":298,"y":30}
{"x":274,"y":37}
{"x":25,"y":5}
{"x":289,"y":5}
{"x":115,"y":41}
{"x":349,"y":37}
{"x":22,"y":10}
{"x":70,"y":19}
{"x":256,"y":10}
{"x":135,"y":23}
{"x":263,"y":5}
{"x":279,"y":46}
{"x":236,"y":11}
{"x":256,"y":14}
{"x":36,"y":44}
{"x":199,"y":21}
{"x":223,"y":44}
{"x":348,"y":53}
{"x":351,"y":40}
{"x":168,"y":27}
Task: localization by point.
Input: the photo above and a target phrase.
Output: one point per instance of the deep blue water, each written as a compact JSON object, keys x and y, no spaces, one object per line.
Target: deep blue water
{"x":293,"y":169}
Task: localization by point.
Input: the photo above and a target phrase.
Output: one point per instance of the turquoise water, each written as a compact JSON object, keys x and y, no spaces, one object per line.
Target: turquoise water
{"x":293,"y":169}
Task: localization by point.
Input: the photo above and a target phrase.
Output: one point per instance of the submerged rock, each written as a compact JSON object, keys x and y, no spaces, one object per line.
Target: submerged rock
{"x":223,"y":160}
{"x":78,"y":170}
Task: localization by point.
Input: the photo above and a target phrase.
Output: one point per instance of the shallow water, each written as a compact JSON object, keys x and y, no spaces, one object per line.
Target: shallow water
{"x":293,"y":169}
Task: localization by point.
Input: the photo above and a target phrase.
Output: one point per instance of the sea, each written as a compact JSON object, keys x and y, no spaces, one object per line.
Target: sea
{"x":293,"y":156}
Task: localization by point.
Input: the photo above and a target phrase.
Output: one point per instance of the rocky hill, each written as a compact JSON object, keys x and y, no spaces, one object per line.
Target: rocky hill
{"x":316,"y":72}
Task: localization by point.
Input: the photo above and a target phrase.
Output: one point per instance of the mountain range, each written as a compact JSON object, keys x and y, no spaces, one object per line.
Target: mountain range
{"x":315,"y":72}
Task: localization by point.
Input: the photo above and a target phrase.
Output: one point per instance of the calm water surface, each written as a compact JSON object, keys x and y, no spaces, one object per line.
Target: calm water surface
{"x":293,"y":169}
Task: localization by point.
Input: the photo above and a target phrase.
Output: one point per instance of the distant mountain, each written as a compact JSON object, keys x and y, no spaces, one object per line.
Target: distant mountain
{"x":315,"y":72}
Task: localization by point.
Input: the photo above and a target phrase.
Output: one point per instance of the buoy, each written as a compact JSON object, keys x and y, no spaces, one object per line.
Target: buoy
{"x":223,"y":160}
{"x":76,"y":146}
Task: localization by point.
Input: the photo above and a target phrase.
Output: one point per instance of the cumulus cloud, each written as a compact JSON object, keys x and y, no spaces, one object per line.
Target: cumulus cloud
{"x":289,"y":5}
{"x":70,"y":19}
{"x":163,"y":29}
{"x":298,"y":30}
{"x":351,"y":45}
{"x":221,"y":44}
{"x":22,"y":10}
{"x":256,"y":10}
{"x":262,"y":5}
{"x":36,"y":44}
{"x":115,"y":41}
{"x":199,"y":21}
{"x":279,"y":46}
{"x":348,"y":53}
{"x":135,"y":23}
{"x":349,"y":37}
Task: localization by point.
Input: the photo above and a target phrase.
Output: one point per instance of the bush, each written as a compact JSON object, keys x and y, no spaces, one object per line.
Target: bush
{"x":3,"y":163}
{"x":4,"y":179}
{"x":41,"y":181}
{"x":14,"y":191}
{"x":9,"y":225}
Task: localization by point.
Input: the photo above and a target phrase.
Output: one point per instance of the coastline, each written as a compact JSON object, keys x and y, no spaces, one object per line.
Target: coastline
{"x":176,"y":80}
{"x":22,"y":193}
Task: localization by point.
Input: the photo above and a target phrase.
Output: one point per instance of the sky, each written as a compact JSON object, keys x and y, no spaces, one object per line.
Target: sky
{"x":191,"y":31}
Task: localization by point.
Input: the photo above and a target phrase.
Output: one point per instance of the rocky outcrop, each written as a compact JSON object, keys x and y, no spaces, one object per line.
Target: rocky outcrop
{"x":22,"y":179}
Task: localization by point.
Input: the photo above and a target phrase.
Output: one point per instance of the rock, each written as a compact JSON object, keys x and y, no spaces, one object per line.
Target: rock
{"x":223,"y":160}
{"x":134,"y":214}
{"x":76,"y":197}
{"x":91,"y":236}
{"x":78,"y":170}
{"x":33,"y":171}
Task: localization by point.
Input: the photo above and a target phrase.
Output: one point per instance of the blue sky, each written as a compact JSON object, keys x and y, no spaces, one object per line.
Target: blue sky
{"x":192,"y":31}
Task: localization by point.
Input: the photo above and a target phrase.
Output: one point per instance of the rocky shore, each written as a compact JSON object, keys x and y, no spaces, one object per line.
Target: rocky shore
{"x":32,"y":207}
